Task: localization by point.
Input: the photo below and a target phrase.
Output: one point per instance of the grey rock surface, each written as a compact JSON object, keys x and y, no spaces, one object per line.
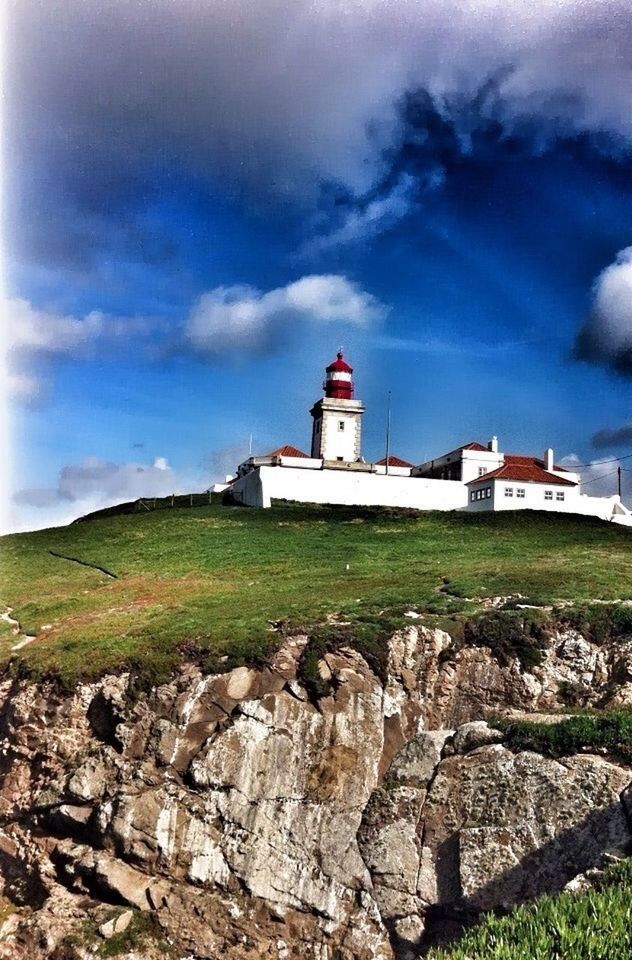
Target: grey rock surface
{"x":253,"y":823}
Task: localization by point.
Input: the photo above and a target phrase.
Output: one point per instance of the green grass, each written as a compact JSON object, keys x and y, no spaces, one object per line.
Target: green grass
{"x":611,"y":730}
{"x":595,"y":925}
{"x":209,"y":580}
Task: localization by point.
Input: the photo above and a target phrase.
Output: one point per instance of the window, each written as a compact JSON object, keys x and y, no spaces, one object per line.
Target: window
{"x":520,"y":492}
{"x":341,"y":424}
{"x":339,"y":458}
{"x":488,"y":493}
{"x":482,"y":471}
{"x":548,"y":494}
{"x":479,"y":494}
{"x":509,"y":491}
{"x":472,"y":496}
{"x":559,"y":495}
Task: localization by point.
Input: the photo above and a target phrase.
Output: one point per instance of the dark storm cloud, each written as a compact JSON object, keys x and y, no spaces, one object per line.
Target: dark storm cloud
{"x":107,"y":101}
{"x":608,"y":437}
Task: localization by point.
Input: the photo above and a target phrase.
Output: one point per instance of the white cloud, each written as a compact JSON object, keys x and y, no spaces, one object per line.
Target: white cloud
{"x":606,"y":337}
{"x":242,"y":318}
{"x":599,"y":477}
{"x":90,"y":485}
{"x":25,"y":388}
{"x":33,"y":337}
{"x":46,"y":331}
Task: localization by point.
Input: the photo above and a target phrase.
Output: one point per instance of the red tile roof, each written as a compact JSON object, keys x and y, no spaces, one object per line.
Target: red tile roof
{"x":393,"y":462}
{"x":521,"y":458}
{"x":287,"y":451}
{"x":524,"y":470}
{"x":472,"y":445}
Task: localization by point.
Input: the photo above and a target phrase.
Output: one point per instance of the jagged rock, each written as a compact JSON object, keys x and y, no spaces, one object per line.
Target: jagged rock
{"x":475,"y":734}
{"x":88,"y":781}
{"x":502,"y":827}
{"x":259,"y":825}
{"x":118,"y":924}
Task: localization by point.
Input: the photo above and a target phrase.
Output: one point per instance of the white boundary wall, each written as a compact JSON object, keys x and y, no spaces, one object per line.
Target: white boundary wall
{"x":263,"y":484}
{"x":305,"y":484}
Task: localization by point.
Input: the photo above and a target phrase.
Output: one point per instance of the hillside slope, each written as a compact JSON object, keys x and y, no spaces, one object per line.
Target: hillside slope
{"x":211,"y":580}
{"x":306,"y":734}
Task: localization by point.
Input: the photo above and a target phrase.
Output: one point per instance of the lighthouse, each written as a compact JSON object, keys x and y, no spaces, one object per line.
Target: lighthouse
{"x":337,"y":417}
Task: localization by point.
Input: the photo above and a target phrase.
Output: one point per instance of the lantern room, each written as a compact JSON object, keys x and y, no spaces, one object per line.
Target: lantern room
{"x":338,"y":384}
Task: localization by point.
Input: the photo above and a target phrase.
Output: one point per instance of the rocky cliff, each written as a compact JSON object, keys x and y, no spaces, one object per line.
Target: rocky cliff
{"x":232,"y":816}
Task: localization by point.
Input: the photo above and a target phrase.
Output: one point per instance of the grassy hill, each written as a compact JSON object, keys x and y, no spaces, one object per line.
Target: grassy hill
{"x":212,"y":578}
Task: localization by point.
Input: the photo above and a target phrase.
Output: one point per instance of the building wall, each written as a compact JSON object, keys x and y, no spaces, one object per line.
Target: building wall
{"x":329,"y":441}
{"x":573,"y":502}
{"x":476,"y":460}
{"x":463,"y":465}
{"x":392,"y":471}
{"x":337,"y":443}
{"x":264,"y":484}
{"x":533,"y":498}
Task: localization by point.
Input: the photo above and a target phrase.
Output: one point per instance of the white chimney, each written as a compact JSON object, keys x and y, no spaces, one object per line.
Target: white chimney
{"x":548,"y":460}
{"x":493,"y":445}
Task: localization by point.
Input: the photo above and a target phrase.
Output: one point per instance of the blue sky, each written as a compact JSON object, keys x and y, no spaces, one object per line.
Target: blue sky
{"x":205,"y":200}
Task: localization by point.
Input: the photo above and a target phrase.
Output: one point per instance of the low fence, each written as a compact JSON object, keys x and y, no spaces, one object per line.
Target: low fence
{"x":149,"y":504}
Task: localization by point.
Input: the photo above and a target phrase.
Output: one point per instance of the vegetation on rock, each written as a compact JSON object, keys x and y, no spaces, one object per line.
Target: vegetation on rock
{"x":610,"y":731}
{"x":594,"y":925}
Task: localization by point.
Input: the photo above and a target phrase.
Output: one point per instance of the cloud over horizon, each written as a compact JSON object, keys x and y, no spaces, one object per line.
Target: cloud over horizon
{"x":92,"y":484}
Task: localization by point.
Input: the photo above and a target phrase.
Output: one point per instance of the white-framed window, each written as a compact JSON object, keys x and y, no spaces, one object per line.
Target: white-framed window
{"x":341,"y":424}
{"x":488,"y":493}
{"x":520,"y":492}
{"x":472,"y":496}
{"x":482,"y":471}
{"x":509,"y":491}
{"x":548,"y":494}
{"x":559,"y":495}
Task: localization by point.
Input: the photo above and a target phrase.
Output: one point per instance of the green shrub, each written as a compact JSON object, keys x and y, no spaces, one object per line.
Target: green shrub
{"x":308,"y":671}
{"x":509,"y":634}
{"x":611,"y":731}
{"x":598,"y":622}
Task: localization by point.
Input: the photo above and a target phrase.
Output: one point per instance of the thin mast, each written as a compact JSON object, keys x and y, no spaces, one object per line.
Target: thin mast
{"x":388,"y":428}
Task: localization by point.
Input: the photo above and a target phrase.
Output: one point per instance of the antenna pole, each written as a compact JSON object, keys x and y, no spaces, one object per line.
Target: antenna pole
{"x":619,"y":480}
{"x":388,"y":428}
{"x":250,"y":446}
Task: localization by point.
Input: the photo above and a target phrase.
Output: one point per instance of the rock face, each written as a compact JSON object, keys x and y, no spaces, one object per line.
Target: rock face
{"x":251,"y":822}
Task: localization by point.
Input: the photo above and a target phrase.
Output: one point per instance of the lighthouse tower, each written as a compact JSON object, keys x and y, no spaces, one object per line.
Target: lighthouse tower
{"x":337,"y":416}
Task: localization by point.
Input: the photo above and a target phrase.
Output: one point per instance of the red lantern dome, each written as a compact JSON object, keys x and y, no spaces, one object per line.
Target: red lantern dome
{"x":338,"y":383}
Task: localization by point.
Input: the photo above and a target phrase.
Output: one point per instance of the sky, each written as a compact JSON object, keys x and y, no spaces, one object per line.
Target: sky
{"x":203,"y":199}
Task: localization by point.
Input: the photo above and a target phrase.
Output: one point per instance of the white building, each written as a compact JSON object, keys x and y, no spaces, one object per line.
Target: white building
{"x":470,"y":477}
